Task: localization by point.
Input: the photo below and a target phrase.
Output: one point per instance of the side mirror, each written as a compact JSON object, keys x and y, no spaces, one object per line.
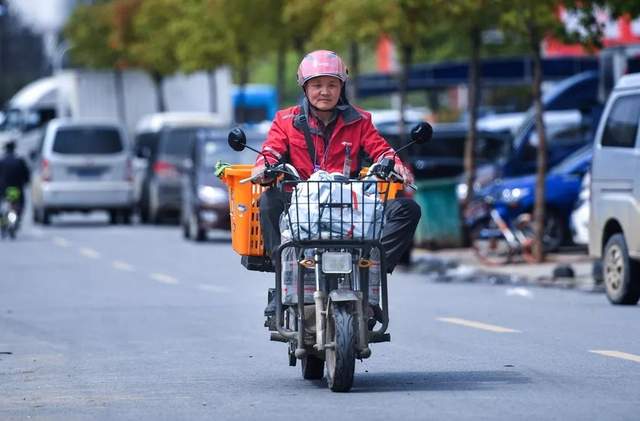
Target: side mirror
{"x":237,"y":139}
{"x":421,"y":133}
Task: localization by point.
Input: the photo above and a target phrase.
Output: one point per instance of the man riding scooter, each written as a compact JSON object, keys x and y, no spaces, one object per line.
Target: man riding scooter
{"x":327,"y":133}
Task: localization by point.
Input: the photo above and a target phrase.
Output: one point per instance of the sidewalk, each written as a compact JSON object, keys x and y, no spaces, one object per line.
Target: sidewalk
{"x":460,"y":264}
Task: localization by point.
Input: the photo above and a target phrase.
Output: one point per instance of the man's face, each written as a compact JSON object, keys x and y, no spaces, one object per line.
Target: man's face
{"x":324,"y":92}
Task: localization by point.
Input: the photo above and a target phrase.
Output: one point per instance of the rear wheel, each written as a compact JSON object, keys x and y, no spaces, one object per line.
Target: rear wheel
{"x":312,"y":367}
{"x":341,"y":350}
{"x":621,"y":273}
{"x":489,"y":245}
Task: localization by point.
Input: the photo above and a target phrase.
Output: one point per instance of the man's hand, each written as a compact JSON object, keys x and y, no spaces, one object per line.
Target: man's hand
{"x":260,"y":178}
{"x":404,"y":172}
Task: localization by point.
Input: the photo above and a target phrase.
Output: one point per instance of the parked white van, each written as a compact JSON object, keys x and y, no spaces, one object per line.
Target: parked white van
{"x":82,"y":166}
{"x":614,"y":226}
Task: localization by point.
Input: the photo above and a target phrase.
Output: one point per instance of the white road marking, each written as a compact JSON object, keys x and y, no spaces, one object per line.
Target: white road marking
{"x":124,"y":266}
{"x":164,"y":279}
{"x":61,"y":242}
{"x":617,"y":354}
{"x":90,"y":253}
{"x":213,"y":288}
{"x":521,"y":292}
{"x":477,"y":325}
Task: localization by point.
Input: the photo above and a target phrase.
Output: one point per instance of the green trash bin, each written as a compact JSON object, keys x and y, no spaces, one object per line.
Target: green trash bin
{"x":440,"y":224}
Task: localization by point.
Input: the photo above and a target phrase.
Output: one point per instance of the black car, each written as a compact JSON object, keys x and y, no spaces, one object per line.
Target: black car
{"x":205,"y":202}
{"x":443,"y":156}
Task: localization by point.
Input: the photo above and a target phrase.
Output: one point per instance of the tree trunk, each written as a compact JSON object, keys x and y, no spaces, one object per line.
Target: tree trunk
{"x":213,"y":91}
{"x":120,"y":102}
{"x":157,"y":82}
{"x":241,"y":115}
{"x":472,"y":134}
{"x":354,"y":70}
{"x":407,"y":58}
{"x":539,"y":209}
{"x":281,"y":68}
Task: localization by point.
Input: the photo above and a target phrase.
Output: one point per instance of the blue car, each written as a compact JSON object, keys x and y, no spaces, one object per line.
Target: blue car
{"x":512,"y":197}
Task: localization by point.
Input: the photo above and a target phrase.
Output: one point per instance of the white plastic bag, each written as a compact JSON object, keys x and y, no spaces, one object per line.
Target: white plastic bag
{"x":334,"y":210}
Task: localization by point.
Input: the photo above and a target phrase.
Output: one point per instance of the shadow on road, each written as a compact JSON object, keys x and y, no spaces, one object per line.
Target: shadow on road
{"x":435,"y":381}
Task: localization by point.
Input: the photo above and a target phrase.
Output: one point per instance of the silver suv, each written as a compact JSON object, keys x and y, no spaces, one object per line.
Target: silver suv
{"x":82,"y":166}
{"x":614,"y":226}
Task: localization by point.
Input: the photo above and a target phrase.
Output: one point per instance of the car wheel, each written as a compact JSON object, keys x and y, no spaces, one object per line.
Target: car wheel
{"x":621,"y":273}
{"x":185,"y":229}
{"x":126,"y":217}
{"x":113,"y":217}
{"x":45,"y":216}
{"x":554,"y":232}
{"x":195,"y":232}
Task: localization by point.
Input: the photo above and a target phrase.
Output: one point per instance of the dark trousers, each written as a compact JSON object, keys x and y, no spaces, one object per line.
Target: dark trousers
{"x":401,"y":219}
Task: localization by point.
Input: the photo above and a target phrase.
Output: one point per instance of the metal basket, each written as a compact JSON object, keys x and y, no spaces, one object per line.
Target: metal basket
{"x":334,"y":210}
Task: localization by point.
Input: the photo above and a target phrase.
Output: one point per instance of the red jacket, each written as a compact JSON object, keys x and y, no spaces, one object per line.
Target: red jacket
{"x":353,"y":126}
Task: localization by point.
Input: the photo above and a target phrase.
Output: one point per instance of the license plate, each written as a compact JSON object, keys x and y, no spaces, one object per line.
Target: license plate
{"x":87,"y":171}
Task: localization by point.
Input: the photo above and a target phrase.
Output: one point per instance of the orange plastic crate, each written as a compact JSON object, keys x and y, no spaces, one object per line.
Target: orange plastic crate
{"x":246,"y":234}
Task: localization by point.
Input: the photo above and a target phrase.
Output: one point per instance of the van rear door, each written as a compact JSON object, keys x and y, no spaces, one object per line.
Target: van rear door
{"x":88,"y":153}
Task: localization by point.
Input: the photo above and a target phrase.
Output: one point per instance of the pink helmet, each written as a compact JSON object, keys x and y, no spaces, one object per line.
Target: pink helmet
{"x":321,"y":63}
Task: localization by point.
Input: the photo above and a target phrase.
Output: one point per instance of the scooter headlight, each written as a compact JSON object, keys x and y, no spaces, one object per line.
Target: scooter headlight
{"x":336,"y":262}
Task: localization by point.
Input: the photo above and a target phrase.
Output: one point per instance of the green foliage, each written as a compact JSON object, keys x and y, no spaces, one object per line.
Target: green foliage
{"x":201,"y":39}
{"x":153,"y":42}
{"x":300,"y":19}
{"x":88,"y":33}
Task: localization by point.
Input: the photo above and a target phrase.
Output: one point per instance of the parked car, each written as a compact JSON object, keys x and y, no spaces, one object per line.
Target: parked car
{"x":614,"y":225}
{"x":205,"y":202}
{"x":515,"y":196}
{"x":162,"y":144}
{"x":566,"y":132}
{"x":443,"y":155}
{"x":82,"y":166}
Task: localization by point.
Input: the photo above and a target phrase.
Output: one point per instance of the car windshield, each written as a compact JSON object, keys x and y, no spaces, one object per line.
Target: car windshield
{"x":574,"y":161}
{"x":177,"y":142}
{"x":87,"y":140}
{"x":216,"y":150}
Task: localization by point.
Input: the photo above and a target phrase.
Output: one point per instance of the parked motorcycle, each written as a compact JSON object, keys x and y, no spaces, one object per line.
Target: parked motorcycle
{"x":497,"y":236}
{"x":331,"y":239}
{"x":10,"y":213}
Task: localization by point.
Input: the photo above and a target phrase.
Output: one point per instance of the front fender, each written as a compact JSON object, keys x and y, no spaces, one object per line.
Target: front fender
{"x":341,"y":295}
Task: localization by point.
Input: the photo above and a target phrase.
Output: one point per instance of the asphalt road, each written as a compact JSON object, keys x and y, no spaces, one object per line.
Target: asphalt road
{"x":114,"y":322}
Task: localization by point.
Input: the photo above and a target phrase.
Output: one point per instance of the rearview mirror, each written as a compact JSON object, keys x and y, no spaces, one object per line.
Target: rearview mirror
{"x":237,"y":139}
{"x":421,"y":133}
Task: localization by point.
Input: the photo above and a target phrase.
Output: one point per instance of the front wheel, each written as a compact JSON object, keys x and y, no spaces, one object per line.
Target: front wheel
{"x":621,"y":273}
{"x":489,"y":245}
{"x":341,"y":350}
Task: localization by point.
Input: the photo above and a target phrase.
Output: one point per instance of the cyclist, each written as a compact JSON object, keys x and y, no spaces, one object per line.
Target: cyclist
{"x":14,"y":172}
